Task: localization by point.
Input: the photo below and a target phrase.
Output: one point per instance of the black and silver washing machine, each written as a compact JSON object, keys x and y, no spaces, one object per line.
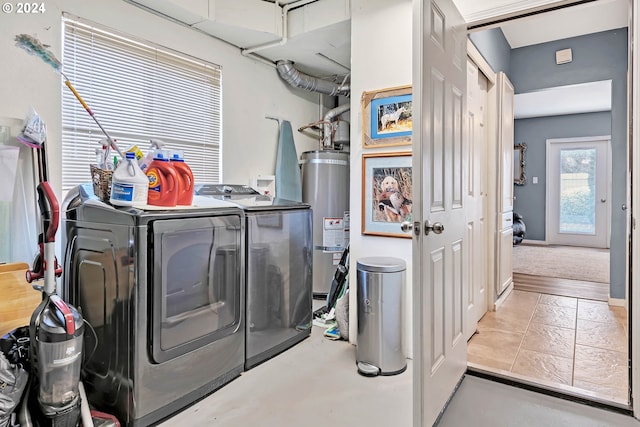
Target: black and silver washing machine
{"x":278,"y":269}
{"x":163,"y":292}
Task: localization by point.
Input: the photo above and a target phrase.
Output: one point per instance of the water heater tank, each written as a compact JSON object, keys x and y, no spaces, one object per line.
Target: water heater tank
{"x":325,"y":186}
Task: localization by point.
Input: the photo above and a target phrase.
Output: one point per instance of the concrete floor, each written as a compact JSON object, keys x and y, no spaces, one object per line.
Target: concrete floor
{"x":315,"y":384}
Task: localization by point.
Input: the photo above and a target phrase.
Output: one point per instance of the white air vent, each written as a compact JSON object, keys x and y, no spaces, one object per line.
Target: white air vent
{"x":563,"y":56}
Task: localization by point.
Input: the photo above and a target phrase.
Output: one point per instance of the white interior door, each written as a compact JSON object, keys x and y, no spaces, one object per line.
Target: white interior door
{"x":504,"y":218}
{"x":578,"y":191}
{"x":439,"y":257}
{"x":506,"y":129}
{"x":477,"y":100}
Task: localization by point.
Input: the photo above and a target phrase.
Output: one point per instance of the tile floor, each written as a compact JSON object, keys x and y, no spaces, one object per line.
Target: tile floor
{"x":578,"y":344}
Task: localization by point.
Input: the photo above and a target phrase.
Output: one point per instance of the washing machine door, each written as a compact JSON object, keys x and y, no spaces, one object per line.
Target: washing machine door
{"x":197,"y":283}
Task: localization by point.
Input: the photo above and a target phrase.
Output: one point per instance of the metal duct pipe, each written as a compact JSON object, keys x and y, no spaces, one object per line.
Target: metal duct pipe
{"x":306,"y":82}
{"x":327,"y":127}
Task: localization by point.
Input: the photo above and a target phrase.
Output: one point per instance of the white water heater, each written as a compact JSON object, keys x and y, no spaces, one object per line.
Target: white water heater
{"x":325,"y":186}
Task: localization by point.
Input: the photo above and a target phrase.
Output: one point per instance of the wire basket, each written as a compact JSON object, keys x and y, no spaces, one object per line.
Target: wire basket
{"x":101,"y":182}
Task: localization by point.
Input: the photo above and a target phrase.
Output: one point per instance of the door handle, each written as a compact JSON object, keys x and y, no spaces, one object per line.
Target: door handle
{"x":407,"y":226}
{"x":603,"y":200}
{"x":436,"y":227}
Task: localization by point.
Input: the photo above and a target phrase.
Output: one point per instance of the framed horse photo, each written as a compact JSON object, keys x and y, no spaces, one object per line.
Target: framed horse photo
{"x":387,"y":117}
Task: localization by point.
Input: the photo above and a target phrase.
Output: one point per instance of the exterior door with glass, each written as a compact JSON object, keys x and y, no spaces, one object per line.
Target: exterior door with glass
{"x":578,"y":190}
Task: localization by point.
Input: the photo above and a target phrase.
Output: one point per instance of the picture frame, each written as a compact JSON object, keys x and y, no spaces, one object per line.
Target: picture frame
{"x":387,"y":193}
{"x":387,"y":117}
{"x":519,"y":176}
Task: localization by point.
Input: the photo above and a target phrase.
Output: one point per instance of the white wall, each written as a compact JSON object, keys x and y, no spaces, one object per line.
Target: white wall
{"x":251,"y":90}
{"x":381,"y":41}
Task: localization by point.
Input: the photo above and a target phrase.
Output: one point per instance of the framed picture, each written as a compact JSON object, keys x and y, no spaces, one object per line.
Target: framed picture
{"x":387,"y":193}
{"x":387,"y":117}
{"x":519,"y":177}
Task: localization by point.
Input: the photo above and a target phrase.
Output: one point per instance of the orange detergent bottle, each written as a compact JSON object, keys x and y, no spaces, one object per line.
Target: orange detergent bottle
{"x":185,"y":179}
{"x":163,"y":181}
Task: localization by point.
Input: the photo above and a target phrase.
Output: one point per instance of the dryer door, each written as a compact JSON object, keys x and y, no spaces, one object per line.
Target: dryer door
{"x":196,"y":281}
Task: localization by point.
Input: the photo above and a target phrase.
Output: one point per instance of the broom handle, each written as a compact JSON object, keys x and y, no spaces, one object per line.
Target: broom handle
{"x":86,"y":107}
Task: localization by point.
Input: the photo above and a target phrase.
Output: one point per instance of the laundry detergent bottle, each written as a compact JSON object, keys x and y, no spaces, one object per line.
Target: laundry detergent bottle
{"x":185,"y":178}
{"x":163,"y":181}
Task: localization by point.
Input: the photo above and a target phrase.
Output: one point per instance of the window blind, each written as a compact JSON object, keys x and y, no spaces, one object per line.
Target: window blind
{"x":138,"y":92}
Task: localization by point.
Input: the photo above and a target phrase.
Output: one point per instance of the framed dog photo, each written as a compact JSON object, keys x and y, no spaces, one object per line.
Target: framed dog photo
{"x":387,"y":193}
{"x":387,"y":117}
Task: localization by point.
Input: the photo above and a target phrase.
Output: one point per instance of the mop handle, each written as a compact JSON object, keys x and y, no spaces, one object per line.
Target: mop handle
{"x":86,"y":107}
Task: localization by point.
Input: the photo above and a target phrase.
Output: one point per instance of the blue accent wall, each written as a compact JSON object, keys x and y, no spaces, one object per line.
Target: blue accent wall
{"x":494,"y":48}
{"x":530,"y":199}
{"x":599,"y":56}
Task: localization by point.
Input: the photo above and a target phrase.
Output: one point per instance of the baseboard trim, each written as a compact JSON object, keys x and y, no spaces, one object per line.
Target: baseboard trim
{"x":534,"y":242}
{"x":617,"y":302}
{"x":503,"y":297}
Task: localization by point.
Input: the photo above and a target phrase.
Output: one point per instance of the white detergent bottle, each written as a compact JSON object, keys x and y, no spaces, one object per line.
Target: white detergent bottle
{"x":129,"y":185}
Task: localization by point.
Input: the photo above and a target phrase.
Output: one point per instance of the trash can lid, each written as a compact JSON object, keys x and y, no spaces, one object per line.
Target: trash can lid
{"x":380,"y":264}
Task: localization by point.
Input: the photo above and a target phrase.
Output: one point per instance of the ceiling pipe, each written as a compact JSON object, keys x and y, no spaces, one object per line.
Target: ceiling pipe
{"x":304,"y":81}
{"x":284,"y":11}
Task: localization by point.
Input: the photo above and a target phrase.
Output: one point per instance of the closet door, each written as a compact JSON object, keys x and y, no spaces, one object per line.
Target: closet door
{"x":505,"y":186}
{"x":476,"y":196}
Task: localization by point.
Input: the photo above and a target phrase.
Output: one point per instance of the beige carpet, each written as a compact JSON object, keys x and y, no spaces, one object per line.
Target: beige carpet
{"x":566,"y":262}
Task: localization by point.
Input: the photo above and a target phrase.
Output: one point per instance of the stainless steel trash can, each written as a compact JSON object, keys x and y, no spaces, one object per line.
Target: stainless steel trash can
{"x":380,"y":347}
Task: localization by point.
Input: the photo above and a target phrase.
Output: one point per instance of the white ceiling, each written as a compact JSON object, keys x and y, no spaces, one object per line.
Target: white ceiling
{"x":579,"y":20}
{"x":319,"y":31}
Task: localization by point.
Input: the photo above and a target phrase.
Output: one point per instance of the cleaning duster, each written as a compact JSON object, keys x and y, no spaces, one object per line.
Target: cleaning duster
{"x":33,"y":46}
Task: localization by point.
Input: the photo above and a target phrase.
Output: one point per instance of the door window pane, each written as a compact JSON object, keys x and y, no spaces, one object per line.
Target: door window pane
{"x":577,"y":191}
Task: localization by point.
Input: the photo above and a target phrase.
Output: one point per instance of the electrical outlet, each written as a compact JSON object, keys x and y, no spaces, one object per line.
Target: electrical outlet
{"x":534,"y":180}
